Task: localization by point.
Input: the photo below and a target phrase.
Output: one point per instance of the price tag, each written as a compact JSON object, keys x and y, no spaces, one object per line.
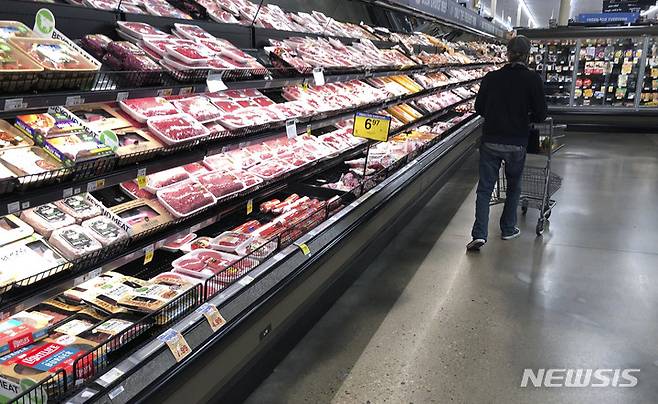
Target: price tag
{"x":15,"y":103}
{"x":141,"y":181}
{"x":245,"y":280}
{"x":74,"y":100}
{"x":250,"y":206}
{"x":25,"y":205}
{"x":67,"y":193}
{"x":291,"y":128}
{"x":185,"y":91}
{"x":318,"y":76}
{"x":215,"y":83}
{"x":176,"y":343}
{"x":13,"y":207}
{"x":370,"y":126}
{"x":165,"y":92}
{"x":122,"y":95}
{"x":94,"y":185}
{"x":304,"y":248}
{"x":90,"y":275}
{"x":308,"y":129}
{"x":210,"y":312}
{"x":305,"y":86}
{"x":148,"y":254}
{"x":115,"y":392}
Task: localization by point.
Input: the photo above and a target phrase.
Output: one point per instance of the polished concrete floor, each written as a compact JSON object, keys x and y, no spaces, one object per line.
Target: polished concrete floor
{"x":428,"y":323}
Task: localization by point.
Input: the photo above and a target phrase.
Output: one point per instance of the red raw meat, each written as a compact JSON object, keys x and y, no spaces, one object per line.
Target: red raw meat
{"x":199,"y":107}
{"x":221,"y":184}
{"x":185,"y":198}
{"x":176,"y":128}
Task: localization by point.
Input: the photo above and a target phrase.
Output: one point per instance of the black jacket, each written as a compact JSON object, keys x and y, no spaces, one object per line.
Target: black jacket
{"x":509,"y":99}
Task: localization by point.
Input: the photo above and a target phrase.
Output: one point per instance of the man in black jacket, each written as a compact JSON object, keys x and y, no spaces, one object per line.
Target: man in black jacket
{"x":509,"y":99}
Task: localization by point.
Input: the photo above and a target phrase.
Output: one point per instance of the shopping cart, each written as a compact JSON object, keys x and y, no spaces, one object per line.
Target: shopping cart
{"x":538,"y":183}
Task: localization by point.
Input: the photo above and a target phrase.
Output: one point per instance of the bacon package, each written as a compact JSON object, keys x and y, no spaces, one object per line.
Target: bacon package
{"x":141,"y":109}
{"x":74,"y":242}
{"x":177,"y":128}
{"x":185,"y":198}
{"x":221,"y":184}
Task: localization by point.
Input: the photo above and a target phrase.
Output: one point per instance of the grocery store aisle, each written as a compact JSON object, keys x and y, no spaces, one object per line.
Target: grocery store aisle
{"x":427,"y":322}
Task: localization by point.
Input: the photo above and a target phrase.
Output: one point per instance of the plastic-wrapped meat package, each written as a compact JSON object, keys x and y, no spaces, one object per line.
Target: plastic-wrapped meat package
{"x":177,"y":128}
{"x":196,"y":169}
{"x":199,"y":107}
{"x":104,"y":230}
{"x":185,"y":198}
{"x":334,"y":141}
{"x":192,"y":32}
{"x":242,"y":158}
{"x":226,"y":106}
{"x":190,"y":53}
{"x":139,"y":29}
{"x":247,"y":227}
{"x":132,"y":189}
{"x":163,"y":179}
{"x":79,"y":206}
{"x":74,"y":242}
{"x":141,"y":109}
{"x":221,"y":184}
{"x":219,"y":162}
{"x":46,"y":218}
{"x":96,"y":44}
{"x":270,"y":169}
{"x":249,"y":180}
{"x":203,"y":263}
{"x":159,"y":44}
{"x":122,"y":49}
{"x":164,"y":9}
{"x":142,"y":63}
{"x":222,"y":16}
{"x":215,"y":127}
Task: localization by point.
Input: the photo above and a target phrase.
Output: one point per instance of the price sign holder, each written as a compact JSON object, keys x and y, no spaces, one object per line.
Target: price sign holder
{"x":210,"y":312}
{"x":176,"y":343}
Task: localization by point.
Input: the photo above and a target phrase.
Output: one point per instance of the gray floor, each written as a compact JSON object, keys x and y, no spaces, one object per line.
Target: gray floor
{"x":428,"y":323}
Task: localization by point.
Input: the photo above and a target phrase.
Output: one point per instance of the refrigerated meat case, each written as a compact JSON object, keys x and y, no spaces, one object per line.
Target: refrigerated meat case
{"x":601,"y":77}
{"x":309,"y":250}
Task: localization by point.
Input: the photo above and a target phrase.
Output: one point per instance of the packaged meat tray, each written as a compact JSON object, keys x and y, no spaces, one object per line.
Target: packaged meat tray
{"x":22,"y":329}
{"x":190,"y":53}
{"x":204,"y":263}
{"x":123,"y":49}
{"x":131,"y":189}
{"x":106,"y":297}
{"x":28,"y":257}
{"x":29,"y":160}
{"x":74,"y":242}
{"x":53,"y":54}
{"x":140,"y":30}
{"x":185,"y":198}
{"x":104,"y":230}
{"x":222,"y":184}
{"x":174,"y":279}
{"x":174,"y":244}
{"x":140,"y":109}
{"x":173,"y":129}
{"x":196,"y":244}
{"x":13,"y":229}
{"x":142,"y":215}
{"x":79,"y":207}
{"x":10,"y":29}
{"x":198,"y":107}
{"x":162,"y":179}
{"x":219,"y":162}
{"x":109,"y":328}
{"x":192,"y":32}
{"x":46,"y":218}
{"x":100,"y":117}
{"x":84,"y":320}
{"x":149,"y":298}
{"x":270,"y":169}
{"x":10,"y":137}
{"x":18,"y":72}
{"x":96,"y":44}
{"x":133,"y":141}
{"x":233,"y":242}
{"x":196,"y":169}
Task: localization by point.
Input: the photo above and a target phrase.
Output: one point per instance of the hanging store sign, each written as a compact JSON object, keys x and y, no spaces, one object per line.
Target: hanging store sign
{"x":370,"y":126}
{"x":451,"y":11}
{"x":607,"y":18}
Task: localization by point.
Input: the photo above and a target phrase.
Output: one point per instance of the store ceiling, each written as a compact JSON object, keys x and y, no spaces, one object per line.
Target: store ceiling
{"x":543,"y":9}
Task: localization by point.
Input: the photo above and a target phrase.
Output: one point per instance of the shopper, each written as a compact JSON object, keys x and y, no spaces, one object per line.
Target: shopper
{"x":509,"y":99}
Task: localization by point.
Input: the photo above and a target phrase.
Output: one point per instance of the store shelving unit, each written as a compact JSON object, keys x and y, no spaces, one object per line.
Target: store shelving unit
{"x":131,"y":365}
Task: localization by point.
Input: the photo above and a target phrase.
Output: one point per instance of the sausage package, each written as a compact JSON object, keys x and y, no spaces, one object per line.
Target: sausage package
{"x":46,"y":218}
{"x":74,"y":242}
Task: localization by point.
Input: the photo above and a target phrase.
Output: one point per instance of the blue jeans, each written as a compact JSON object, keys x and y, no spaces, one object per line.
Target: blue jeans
{"x":491,"y":157}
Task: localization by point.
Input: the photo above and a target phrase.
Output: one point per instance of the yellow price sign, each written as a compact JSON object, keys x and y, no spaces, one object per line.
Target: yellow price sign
{"x":370,"y":126}
{"x":304,"y":248}
{"x":148,"y":254}
{"x":141,"y":181}
{"x":250,"y":206}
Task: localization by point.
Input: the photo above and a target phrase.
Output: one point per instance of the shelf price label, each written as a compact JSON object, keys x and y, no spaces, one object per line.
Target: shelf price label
{"x":148,"y":254}
{"x":176,"y":343}
{"x":216,"y":83}
{"x":304,"y":248}
{"x":250,"y":206}
{"x":141,"y":178}
{"x":210,"y":312}
{"x":291,"y":128}
{"x":371,"y":126}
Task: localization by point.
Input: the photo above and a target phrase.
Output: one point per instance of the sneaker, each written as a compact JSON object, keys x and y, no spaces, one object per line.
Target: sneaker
{"x":516,"y":234}
{"x":475,"y":244}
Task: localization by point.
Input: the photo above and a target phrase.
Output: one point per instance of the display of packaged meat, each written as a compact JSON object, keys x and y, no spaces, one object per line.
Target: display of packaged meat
{"x":177,"y":128}
{"x":12,"y":229}
{"x":29,"y":160}
{"x":149,"y":298}
{"x":139,"y":30}
{"x":79,"y":206}
{"x":107,"y":329}
{"x":190,"y":53}
{"x":22,"y":259}
{"x":10,"y":29}
{"x":162,"y":179}
{"x":196,"y":169}
{"x":185,"y":198}
{"x":133,"y":141}
{"x":204,"y":263}
{"x":196,"y":244}
{"x":74,"y":242}
{"x":131,"y":189}
{"x":140,"y":109}
{"x":192,"y":32}
{"x":95,"y":44}
{"x":104,"y":230}
{"x":199,"y":107}
{"x":247,"y":227}
{"x":100,"y":117}
{"x":21,"y":329}
{"x":222,"y":184}
{"x":123,"y":49}
{"x":219,"y":162}
{"x":174,"y":243}
{"x":10,"y":137}
{"x":270,"y":169}
{"x":232,"y":242}
{"x":46,"y":218}
{"x":53,"y":54}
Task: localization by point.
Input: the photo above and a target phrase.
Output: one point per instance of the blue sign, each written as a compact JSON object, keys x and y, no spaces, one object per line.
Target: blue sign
{"x":605,"y":18}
